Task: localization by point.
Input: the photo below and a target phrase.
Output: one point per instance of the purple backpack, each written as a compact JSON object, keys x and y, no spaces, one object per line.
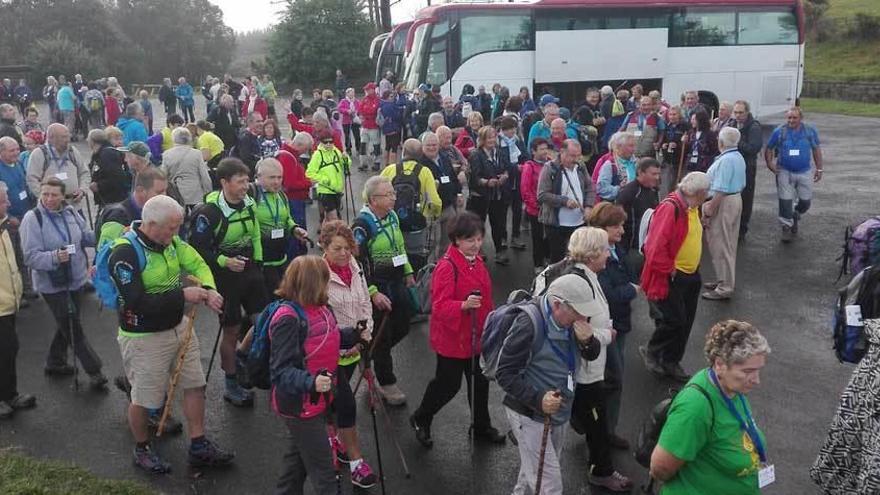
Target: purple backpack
{"x":862,"y":246}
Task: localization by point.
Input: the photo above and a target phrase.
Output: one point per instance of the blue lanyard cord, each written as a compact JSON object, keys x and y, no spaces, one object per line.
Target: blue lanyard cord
{"x":56,"y":158}
{"x":269,"y":207}
{"x":382,"y":230}
{"x":567,"y":358}
{"x":747,"y":424}
{"x":67,"y":238}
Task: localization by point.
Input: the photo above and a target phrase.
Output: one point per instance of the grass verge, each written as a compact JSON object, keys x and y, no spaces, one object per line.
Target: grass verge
{"x":842,"y":61}
{"x":21,"y":475}
{"x":821,"y":105}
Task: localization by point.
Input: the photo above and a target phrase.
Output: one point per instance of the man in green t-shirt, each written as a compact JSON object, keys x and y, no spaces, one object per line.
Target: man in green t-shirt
{"x":719,"y":456}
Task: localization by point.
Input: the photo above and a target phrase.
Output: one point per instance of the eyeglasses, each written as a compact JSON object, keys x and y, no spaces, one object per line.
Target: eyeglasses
{"x":329,"y":141}
{"x":391,"y":194}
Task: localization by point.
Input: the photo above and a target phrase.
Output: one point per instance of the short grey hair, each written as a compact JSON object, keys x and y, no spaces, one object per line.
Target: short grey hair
{"x":726,"y":104}
{"x":587,"y":244}
{"x":7,"y":141}
{"x":181,"y":135}
{"x":372,"y":185}
{"x":268,"y":163}
{"x":436,"y":117}
{"x":97,"y":136}
{"x":429,"y":135}
{"x":729,"y":137}
{"x":694,"y":183}
{"x":606,"y":90}
{"x":161,"y":209}
{"x":620,"y":137}
{"x":412,"y":149}
{"x":303,"y":140}
{"x":54,"y":129}
{"x":734,"y":342}
{"x":5,"y":107}
{"x":132,"y":109}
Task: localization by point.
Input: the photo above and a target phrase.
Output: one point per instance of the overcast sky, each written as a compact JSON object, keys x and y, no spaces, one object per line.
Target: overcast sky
{"x":248,"y":15}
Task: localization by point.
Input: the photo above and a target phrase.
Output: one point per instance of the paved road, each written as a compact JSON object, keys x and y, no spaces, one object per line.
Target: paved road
{"x":785,"y":290}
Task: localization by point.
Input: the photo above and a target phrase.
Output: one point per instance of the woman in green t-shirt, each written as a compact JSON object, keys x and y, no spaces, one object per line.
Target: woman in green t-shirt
{"x":710,"y":443}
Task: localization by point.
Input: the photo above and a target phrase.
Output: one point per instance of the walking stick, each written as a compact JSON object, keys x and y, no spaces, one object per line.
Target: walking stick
{"x":680,"y":161}
{"x":89,"y":211}
{"x":379,"y":333}
{"x":544,"y":436}
{"x":214,"y":352}
{"x":181,"y":357}
{"x":70,"y":313}
{"x":474,"y":364}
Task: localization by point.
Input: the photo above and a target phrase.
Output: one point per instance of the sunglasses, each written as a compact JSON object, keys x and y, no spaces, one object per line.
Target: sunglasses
{"x":329,"y":141}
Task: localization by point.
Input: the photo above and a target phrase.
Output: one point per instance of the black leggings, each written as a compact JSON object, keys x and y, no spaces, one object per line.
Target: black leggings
{"x":348,"y":130}
{"x":496,"y":210}
{"x":345,"y":405}
{"x":445,"y":385}
{"x":589,"y":410}
{"x":539,"y":247}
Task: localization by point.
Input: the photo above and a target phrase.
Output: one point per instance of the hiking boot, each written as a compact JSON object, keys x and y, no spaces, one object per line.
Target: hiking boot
{"x":58,"y":369}
{"x":787,"y":236}
{"x":676,"y":372}
{"x":501,"y":259}
{"x":711,"y":285}
{"x":393,"y":395}
{"x":515,"y":243}
{"x":651,"y":363}
{"x":615,"y":482}
{"x":339,"y":448}
{"x":206,"y":453}
{"x":423,"y":432}
{"x":23,"y":401}
{"x":172,"y":425}
{"x":714,"y":295}
{"x":236,"y":395}
{"x":618,"y":442}
{"x":123,"y":385}
{"x":6,"y":410}
{"x":489,"y":435}
{"x":363,"y":476}
{"x":146,"y":458}
{"x":98,"y":381}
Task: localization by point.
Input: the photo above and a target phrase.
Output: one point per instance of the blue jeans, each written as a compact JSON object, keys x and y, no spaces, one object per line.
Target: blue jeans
{"x":614,"y":366}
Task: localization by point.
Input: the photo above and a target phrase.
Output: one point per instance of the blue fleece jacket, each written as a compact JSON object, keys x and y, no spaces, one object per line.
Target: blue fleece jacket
{"x":132,"y":130}
{"x":40,"y":243}
{"x":13,"y":175}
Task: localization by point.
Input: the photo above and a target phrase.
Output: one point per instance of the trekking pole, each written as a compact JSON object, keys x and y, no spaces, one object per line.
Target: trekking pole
{"x":544,"y":436}
{"x":367,"y":371}
{"x":379,"y":333}
{"x":72,"y":334}
{"x":175,"y":377}
{"x":680,"y":162}
{"x":331,"y":428}
{"x":89,"y":211}
{"x":474,"y":364}
{"x":214,"y":352}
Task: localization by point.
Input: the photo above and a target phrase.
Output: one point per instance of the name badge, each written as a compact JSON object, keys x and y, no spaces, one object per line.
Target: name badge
{"x":637,"y":133}
{"x":694,"y":159}
{"x":444,"y":179}
{"x":22,"y":195}
{"x":277,"y":233}
{"x":399,"y":260}
{"x":766,"y":475}
{"x":854,"y":316}
{"x":71,"y":249}
{"x":570,"y":383}
{"x":61,"y":176}
{"x":794,"y":152}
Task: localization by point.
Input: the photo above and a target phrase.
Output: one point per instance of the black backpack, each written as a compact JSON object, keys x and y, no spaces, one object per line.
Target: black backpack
{"x":649,"y":432}
{"x":408,"y":205}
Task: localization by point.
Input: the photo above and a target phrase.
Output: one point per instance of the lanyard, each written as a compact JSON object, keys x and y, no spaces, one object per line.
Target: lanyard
{"x":56,"y":158}
{"x":67,"y":238}
{"x":269,"y":206}
{"x":747,"y":425}
{"x":578,"y":195}
{"x":569,"y":357}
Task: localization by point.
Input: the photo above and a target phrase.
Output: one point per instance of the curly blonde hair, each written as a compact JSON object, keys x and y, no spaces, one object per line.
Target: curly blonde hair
{"x":734,"y":342}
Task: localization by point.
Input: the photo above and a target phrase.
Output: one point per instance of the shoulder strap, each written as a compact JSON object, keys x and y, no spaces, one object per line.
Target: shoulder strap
{"x":539,"y":326}
{"x":454,"y":268}
{"x":707,"y":396}
{"x":131,"y":235}
{"x":39,"y":215}
{"x":417,"y":170}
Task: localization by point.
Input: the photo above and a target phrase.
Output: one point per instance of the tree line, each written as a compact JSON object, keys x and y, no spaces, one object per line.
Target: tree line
{"x":134,"y":40}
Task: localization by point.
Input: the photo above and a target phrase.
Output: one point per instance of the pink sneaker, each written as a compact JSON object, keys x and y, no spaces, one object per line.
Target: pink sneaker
{"x":363,"y":476}
{"x":339,"y":448}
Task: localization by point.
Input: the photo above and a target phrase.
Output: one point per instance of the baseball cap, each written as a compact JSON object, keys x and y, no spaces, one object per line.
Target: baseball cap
{"x":575,"y":291}
{"x":139,"y":148}
{"x":424,"y":87}
{"x":548,"y":98}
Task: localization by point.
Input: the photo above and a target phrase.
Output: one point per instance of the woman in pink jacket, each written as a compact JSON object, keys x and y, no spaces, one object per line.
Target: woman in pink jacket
{"x":349,"y":108}
{"x":461,"y":299}
{"x":531,"y":170}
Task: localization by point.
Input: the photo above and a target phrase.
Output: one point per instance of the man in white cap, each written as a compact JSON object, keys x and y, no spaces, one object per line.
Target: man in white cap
{"x":537,"y":370}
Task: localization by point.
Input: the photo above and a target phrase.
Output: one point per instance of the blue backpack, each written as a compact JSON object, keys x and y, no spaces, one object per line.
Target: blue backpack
{"x":104,"y":284}
{"x":255,"y":370}
{"x":497,"y":329}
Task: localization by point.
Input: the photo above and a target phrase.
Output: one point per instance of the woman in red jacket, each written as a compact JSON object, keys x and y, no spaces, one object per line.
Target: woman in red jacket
{"x":461,"y":299}
{"x":467,"y":138}
{"x":296,"y":186}
{"x":531,"y":171}
{"x":112,"y":108}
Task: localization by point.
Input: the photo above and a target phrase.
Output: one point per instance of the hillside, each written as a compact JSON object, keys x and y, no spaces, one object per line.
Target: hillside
{"x":839,"y":58}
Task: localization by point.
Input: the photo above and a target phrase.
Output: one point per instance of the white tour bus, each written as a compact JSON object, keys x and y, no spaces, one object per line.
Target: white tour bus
{"x":725,"y":49}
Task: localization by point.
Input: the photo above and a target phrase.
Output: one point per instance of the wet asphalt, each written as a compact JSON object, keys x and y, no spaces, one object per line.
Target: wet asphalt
{"x":785,"y":290}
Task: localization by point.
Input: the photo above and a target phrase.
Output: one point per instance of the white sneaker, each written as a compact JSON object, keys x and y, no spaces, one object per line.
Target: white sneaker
{"x":393,"y":395}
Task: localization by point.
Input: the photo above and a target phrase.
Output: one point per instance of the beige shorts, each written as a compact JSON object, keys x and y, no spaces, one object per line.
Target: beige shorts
{"x":149,"y":362}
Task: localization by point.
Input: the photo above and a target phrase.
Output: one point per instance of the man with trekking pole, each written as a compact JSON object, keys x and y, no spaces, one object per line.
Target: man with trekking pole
{"x":536,"y":369}
{"x":152,"y":328}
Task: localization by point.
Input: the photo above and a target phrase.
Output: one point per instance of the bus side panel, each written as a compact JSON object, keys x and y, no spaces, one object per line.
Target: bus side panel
{"x":764,"y":75}
{"x":600,"y":54}
{"x":511,"y":69}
